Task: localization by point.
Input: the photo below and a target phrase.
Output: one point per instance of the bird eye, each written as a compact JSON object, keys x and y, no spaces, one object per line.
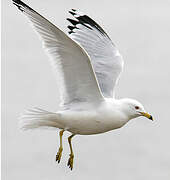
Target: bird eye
{"x":136,"y":107}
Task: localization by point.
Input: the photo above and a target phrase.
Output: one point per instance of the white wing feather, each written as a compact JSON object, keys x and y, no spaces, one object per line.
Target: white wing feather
{"x":105,"y":57}
{"x":75,"y":75}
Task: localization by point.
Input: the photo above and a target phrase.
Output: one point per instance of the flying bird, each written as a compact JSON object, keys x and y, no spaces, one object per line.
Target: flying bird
{"x":87,"y":66}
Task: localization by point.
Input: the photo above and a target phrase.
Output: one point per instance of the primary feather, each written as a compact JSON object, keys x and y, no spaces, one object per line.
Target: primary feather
{"x":75,"y":75}
{"x":105,"y":57}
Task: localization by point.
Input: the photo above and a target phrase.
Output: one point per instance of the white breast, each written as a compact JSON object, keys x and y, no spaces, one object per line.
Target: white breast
{"x":98,"y":120}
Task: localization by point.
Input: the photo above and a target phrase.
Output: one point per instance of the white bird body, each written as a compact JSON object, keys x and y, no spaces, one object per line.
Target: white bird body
{"x":82,"y":118}
{"x":99,"y":119}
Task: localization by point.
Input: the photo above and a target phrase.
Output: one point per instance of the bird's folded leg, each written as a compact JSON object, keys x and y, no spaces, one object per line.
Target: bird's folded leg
{"x":70,"y":161}
{"x":59,"y":153}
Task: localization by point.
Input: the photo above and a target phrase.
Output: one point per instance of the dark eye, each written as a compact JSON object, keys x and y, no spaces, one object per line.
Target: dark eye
{"x":136,"y":107}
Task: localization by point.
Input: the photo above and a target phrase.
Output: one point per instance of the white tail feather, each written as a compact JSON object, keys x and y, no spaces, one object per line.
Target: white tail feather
{"x":36,"y":118}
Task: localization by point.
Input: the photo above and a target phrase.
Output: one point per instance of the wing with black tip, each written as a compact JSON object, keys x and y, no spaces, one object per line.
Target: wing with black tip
{"x":75,"y":76}
{"x":105,"y":57}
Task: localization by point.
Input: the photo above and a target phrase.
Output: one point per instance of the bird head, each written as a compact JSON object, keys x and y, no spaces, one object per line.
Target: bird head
{"x":133,"y":109}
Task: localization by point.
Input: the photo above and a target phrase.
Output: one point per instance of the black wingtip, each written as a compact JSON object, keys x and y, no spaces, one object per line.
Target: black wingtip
{"x":72,"y":13}
{"x":17,"y":3}
{"x":71,"y":27}
{"x":21,"y":5}
{"x":72,"y":21}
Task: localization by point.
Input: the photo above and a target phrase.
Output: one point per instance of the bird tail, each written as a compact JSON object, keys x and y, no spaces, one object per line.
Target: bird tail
{"x":37,"y":118}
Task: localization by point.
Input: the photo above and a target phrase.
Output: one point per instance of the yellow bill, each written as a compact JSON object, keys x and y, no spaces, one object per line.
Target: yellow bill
{"x":147,"y":115}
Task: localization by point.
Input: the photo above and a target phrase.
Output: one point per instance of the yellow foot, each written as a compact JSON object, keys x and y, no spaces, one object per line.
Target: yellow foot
{"x":70,"y":161}
{"x":58,"y":156}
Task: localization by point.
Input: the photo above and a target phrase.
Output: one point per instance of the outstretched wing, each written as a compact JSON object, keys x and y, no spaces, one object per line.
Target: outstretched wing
{"x":76,"y":79}
{"x":105,"y":57}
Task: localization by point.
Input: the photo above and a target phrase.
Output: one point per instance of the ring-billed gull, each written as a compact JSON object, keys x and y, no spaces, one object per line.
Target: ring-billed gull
{"x":88,"y":66}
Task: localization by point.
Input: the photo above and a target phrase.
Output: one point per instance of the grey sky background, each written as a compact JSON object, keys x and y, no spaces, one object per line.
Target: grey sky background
{"x":141,"y":149}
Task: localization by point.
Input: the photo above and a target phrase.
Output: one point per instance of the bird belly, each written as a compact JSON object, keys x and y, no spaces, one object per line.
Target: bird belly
{"x":87,"y":123}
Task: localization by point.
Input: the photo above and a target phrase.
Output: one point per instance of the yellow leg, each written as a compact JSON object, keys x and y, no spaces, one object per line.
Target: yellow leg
{"x":70,"y":161}
{"x":59,"y":153}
